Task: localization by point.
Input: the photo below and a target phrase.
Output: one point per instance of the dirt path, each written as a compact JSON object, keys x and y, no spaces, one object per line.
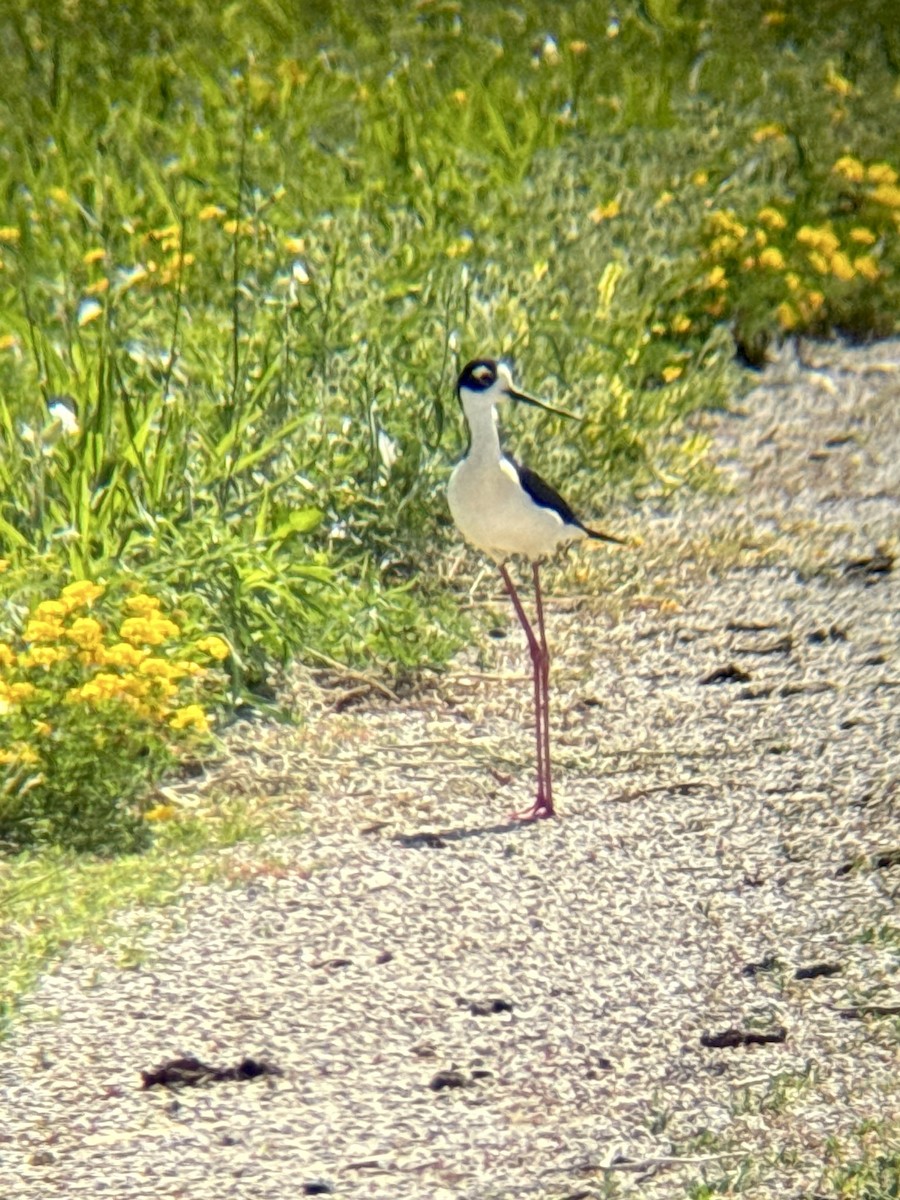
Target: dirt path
{"x":464,"y":1008}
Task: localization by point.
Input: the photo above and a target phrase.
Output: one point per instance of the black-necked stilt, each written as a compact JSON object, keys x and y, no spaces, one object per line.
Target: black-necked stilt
{"x":504,"y":508}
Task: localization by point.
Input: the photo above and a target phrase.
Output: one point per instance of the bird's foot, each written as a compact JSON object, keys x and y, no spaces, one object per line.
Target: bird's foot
{"x":541,"y":810}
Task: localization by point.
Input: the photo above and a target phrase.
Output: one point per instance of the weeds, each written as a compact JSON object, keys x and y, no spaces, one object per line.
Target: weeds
{"x":243,"y":255}
{"x":96,"y":698}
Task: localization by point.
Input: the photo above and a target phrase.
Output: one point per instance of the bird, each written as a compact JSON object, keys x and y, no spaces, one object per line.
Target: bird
{"x":506,"y":510}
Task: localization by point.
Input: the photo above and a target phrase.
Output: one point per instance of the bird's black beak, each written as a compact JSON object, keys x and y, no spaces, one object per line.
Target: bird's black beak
{"x":524,"y":398}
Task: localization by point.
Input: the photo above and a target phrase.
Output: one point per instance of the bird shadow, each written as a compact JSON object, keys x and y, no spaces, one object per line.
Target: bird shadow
{"x":446,"y":837}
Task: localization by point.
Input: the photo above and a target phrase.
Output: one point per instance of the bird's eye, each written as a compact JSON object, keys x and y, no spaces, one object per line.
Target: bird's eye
{"x":483,"y":375}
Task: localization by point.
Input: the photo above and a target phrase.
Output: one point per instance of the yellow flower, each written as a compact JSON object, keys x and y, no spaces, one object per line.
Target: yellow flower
{"x":15,"y":693}
{"x":792,"y":280}
{"x":772,"y":258}
{"x":149,"y":631}
{"x":863,"y":236}
{"x":818,"y":262}
{"x":814,"y":301}
{"x":849,"y":168}
{"x":768,"y":133}
{"x":122,"y":654}
{"x":214,"y":646}
{"x":460,"y":246}
{"x":881,"y":173}
{"x":97,"y":288}
{"x":294,"y":245}
{"x":700,"y":178}
{"x":161,"y":668}
{"x":672,"y":372}
{"x":7,"y":655}
{"x":787,"y":316}
{"x":104,"y":686}
{"x":19,"y":754}
{"x":459,"y":97}
{"x":209,"y":212}
{"x":89,"y":310}
{"x":774,"y":17}
{"x":605,"y":212}
{"x":136,"y":274}
{"x":837,"y":83}
{"x":241,"y":228}
{"x":42,"y":728}
{"x":97,"y":254}
{"x":681,"y":323}
{"x":4,"y":562}
{"x":820,"y":238}
{"x":724,"y":221}
{"x":161,"y":812}
{"x":723,"y":245}
{"x":142,"y":603}
{"x":716,"y":278}
{"x":887,"y":194}
{"x":38,"y":630}
{"x":9,"y":234}
{"x":82,"y":592}
{"x":44,"y":656}
{"x":85,"y":632}
{"x":842,"y":267}
{"x":578,"y":47}
{"x":866,"y":266}
{"x":51,"y":610}
{"x":191,"y":716}
{"x":771,"y":218}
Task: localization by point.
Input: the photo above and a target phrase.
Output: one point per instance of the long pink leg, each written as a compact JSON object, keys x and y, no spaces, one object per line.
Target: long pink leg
{"x":545,"y":680}
{"x":543,"y":805}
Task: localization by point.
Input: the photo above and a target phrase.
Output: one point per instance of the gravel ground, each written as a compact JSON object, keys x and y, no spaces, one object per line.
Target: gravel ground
{"x":462,"y":1007}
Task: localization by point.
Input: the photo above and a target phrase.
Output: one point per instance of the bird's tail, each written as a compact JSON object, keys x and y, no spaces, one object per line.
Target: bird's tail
{"x":599,"y":536}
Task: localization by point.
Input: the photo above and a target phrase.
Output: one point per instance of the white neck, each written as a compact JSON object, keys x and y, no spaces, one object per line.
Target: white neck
{"x":483,"y":433}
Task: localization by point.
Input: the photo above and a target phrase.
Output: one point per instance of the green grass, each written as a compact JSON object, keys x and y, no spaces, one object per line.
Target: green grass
{"x":52,"y":898}
{"x":254,"y":243}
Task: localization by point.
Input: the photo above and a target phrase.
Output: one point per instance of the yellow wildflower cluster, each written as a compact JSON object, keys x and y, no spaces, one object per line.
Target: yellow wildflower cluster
{"x":793,"y":270}
{"x":772,"y":132}
{"x":726,"y":232}
{"x":605,"y":212}
{"x":876,"y":183}
{"x":826,"y":256}
{"x":772,"y":218}
{"x":70,"y":661}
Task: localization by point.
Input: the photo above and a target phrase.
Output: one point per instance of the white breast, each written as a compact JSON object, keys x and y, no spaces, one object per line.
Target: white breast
{"x":495,"y":515}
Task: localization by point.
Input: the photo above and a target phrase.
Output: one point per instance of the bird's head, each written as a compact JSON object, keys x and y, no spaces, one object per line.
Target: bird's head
{"x":484,"y":383}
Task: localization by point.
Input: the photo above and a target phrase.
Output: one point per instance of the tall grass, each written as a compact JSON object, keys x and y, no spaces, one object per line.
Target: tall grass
{"x":252,"y":244}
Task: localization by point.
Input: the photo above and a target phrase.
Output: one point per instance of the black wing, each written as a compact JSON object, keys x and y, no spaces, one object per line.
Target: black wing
{"x":548,"y":497}
{"x":543,"y":494}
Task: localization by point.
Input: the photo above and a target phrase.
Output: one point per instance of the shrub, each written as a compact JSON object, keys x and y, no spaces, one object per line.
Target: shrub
{"x":99,"y":692}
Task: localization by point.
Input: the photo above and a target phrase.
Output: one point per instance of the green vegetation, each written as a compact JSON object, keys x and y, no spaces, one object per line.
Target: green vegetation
{"x":866,"y":1168}
{"x":51,"y":898}
{"x":245,"y":250}
{"x":98,"y":697}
